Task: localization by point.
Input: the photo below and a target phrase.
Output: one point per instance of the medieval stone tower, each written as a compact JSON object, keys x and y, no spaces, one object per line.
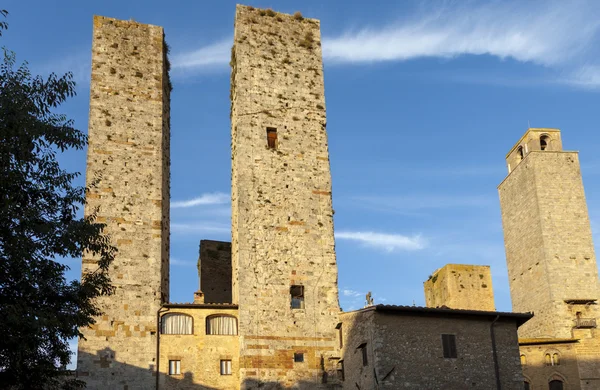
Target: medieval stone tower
{"x":128,"y":156}
{"x":283,"y":256}
{"x":549,"y":250}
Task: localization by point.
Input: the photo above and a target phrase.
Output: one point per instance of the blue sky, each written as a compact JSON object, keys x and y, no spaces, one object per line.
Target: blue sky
{"x":424,"y":99}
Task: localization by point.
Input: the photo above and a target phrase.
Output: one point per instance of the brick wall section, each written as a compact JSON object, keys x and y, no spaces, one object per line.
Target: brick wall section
{"x":128,"y":154}
{"x":461,"y":286}
{"x":282,"y":218}
{"x":200,"y":354}
{"x":406,"y":352}
{"x":214,"y":268}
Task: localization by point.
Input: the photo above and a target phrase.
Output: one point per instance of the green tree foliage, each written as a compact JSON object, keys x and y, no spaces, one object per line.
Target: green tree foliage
{"x":39,"y":309}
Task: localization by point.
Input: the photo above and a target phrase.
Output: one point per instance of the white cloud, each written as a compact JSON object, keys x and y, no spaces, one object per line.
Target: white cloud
{"x":200,"y":227}
{"x":351,"y":293}
{"x":546,"y":33}
{"x":556,"y":34}
{"x":213,"y":56}
{"x":204,"y":199}
{"x":387,"y":242}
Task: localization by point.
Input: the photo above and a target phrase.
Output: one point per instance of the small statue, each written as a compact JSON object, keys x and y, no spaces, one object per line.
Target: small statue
{"x":369,"y":299}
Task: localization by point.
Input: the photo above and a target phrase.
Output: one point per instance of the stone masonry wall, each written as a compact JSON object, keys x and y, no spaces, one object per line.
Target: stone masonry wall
{"x":214,"y":267}
{"x":282,"y":217}
{"x":550,"y":254}
{"x":199,"y":354}
{"x":461,"y":286}
{"x":405,"y":352}
{"x":128,"y":156}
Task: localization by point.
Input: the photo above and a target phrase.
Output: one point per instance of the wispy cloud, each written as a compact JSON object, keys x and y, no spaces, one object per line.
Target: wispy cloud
{"x":351,"y":293}
{"x":384,"y":241}
{"x":200,"y":227}
{"x":202,"y":200}
{"x":556,"y":34}
{"x":78,"y":62}
{"x":214,"y":56}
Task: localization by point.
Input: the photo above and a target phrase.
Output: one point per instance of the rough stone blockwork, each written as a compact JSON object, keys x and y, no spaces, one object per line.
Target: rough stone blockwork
{"x":214,"y":268}
{"x":128,"y":156}
{"x":282,"y":218}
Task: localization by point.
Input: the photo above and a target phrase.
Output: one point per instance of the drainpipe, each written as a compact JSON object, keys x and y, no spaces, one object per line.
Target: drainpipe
{"x":495,"y":353}
{"x":158,"y":312}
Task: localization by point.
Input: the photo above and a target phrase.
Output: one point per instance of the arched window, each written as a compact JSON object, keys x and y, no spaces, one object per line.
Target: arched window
{"x":552,"y":359}
{"x":526,"y":385}
{"x":520,"y":153}
{"x":221,"y":325}
{"x":544,"y":142}
{"x":555,"y":384}
{"x":177,"y":323}
{"x":523,"y":360}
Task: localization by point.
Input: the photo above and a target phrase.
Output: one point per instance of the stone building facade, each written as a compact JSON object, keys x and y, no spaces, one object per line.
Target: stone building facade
{"x":266,"y":314}
{"x":128,"y":176}
{"x":408,"y":347}
{"x":551,"y":262}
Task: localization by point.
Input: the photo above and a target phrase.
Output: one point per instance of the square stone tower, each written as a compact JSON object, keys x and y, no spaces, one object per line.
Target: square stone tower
{"x":461,"y":286}
{"x":128,"y":171}
{"x":549,"y":250}
{"x":283,"y":254}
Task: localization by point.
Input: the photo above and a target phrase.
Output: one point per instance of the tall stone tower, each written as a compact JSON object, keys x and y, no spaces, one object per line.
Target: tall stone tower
{"x":549,"y":249}
{"x":283,"y":255}
{"x":128,"y":156}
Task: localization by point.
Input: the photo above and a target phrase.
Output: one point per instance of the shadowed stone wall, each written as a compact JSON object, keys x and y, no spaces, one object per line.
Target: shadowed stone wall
{"x":214,"y":266}
{"x":128,"y":154}
{"x":282,"y":218}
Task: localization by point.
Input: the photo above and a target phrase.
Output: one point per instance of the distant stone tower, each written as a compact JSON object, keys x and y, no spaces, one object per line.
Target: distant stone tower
{"x":283,"y":255}
{"x":128,"y":153}
{"x":461,"y":286}
{"x":549,"y":249}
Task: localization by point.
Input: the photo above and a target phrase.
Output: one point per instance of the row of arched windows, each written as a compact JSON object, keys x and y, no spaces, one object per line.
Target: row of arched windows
{"x":554,"y":384}
{"x":178,"y":323}
{"x":550,"y":359}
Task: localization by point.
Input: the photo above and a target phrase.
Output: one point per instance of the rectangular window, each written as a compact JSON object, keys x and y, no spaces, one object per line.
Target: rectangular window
{"x":340,"y":334}
{"x":272,"y":137}
{"x":174,"y":367}
{"x":225,"y":367}
{"x":340,"y":370}
{"x":297,"y":296}
{"x":449,"y":345}
{"x":298,"y":357}
{"x":363,"y":348}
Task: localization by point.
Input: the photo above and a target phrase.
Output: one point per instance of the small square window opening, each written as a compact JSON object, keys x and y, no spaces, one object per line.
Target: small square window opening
{"x":174,"y":367}
{"x":272,"y":137}
{"x":298,"y":357}
{"x":225,"y":367}
{"x":297,"y":297}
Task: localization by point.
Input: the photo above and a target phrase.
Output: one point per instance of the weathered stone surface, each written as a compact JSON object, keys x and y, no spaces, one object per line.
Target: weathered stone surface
{"x":282,"y":219}
{"x":128,"y":155}
{"x":214,"y":269}
{"x":549,"y":250}
{"x":460,"y":286}
{"x":405,"y":351}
